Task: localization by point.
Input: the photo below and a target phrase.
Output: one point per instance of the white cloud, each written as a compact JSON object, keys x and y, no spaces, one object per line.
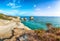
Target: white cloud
{"x":34,"y":13}
{"x":49,"y":6}
{"x":13,"y":5}
{"x":1,"y":11}
{"x":53,"y":10}
{"x":13,"y":12}
{"x":46,"y":12}
{"x":35,"y":5}
{"x":10,"y":4}
{"x":37,"y":9}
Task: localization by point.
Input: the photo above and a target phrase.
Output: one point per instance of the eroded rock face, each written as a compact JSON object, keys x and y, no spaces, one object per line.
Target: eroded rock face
{"x":31,"y":35}
{"x":6,"y":29}
{"x":23,"y":35}
{"x":8,"y":25}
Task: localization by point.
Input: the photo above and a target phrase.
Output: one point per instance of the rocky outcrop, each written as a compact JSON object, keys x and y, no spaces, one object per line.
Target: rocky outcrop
{"x":23,"y":35}
{"x":31,"y":18}
{"x":7,"y":26}
{"x":33,"y":35}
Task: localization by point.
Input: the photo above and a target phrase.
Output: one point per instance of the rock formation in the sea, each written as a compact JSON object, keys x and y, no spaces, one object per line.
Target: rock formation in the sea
{"x":25,"y":19}
{"x":31,"y":18}
{"x":22,"y":19}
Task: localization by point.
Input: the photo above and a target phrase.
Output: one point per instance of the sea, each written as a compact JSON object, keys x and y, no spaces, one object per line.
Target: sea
{"x":39,"y":22}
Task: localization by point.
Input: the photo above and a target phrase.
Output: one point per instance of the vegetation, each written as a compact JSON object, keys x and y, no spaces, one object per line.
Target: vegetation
{"x":2,"y":16}
{"x":47,"y":36}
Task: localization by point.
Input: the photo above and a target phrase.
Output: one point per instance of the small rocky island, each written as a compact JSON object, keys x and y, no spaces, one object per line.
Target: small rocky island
{"x":11,"y":29}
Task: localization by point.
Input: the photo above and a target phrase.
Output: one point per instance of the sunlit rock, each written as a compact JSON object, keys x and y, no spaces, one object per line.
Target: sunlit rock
{"x":25,"y":19}
{"x":22,"y":19}
{"x":6,"y":27}
{"x":31,"y":18}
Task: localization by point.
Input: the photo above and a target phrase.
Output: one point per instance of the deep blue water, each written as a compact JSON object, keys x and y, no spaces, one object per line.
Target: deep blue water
{"x":39,"y":22}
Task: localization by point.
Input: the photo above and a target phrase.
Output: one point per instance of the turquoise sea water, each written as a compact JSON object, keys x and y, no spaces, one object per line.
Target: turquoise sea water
{"x":39,"y":22}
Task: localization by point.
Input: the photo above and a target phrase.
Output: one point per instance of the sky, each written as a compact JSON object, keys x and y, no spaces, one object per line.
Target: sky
{"x":30,"y":7}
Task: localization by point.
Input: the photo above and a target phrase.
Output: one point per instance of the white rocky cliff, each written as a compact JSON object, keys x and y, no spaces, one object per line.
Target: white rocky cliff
{"x":6,"y":26}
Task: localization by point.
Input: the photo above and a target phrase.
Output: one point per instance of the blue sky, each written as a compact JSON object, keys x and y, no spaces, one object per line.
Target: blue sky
{"x":30,"y":7}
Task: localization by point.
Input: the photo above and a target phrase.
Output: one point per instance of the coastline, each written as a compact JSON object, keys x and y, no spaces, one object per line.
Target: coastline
{"x":12,"y":29}
{"x":8,"y":25}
